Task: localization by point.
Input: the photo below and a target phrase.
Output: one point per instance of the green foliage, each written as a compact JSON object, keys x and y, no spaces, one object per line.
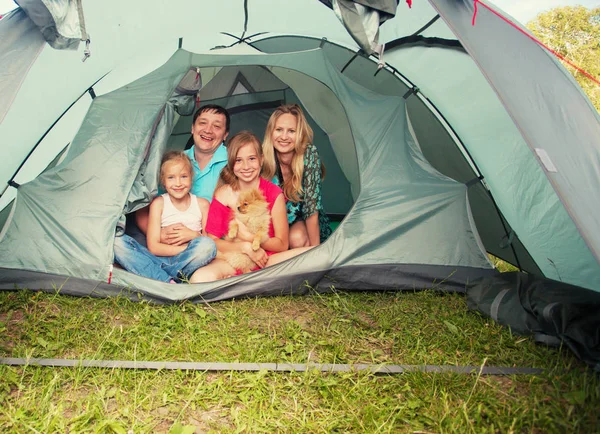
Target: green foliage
{"x":500,"y":265}
{"x":574,"y":32}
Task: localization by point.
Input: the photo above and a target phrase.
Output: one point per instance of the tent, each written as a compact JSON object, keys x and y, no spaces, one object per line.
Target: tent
{"x":469,"y":139}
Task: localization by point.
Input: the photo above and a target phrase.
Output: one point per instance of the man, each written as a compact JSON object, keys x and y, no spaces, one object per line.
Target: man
{"x":210,"y":128}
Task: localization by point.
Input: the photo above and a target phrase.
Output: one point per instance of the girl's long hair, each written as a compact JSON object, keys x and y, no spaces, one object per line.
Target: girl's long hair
{"x":227,"y":177}
{"x":292,"y":187}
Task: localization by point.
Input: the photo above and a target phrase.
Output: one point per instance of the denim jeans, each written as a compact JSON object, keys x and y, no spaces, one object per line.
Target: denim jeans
{"x":137,"y":259}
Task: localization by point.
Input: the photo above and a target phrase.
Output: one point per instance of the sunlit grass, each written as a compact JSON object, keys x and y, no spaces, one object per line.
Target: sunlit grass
{"x":389,"y":328}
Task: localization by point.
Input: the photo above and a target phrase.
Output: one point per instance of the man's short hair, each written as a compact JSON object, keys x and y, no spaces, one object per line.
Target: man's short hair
{"x":213,"y":108}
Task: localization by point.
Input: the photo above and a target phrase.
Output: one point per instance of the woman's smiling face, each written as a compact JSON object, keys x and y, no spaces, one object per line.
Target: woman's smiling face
{"x":284,"y":133}
{"x":248,"y":164}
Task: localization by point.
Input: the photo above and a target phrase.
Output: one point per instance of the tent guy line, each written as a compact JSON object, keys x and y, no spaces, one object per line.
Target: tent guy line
{"x":272,"y":367}
{"x":533,"y":38}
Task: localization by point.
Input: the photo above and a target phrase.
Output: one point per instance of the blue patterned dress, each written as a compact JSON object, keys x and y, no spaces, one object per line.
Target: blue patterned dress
{"x":310,"y":200}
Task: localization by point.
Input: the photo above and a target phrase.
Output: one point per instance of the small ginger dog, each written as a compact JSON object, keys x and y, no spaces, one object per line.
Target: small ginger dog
{"x":253,"y":212}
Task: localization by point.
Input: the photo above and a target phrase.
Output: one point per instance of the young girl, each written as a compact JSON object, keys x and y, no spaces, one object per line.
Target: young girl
{"x":172,"y":262}
{"x":244,"y":166}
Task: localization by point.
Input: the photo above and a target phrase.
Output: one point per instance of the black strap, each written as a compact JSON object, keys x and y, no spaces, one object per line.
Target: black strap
{"x":13,"y":183}
{"x":410,"y":91}
{"x":180,"y":43}
{"x":474,"y":181}
{"x":420,"y":40}
{"x":507,"y":239}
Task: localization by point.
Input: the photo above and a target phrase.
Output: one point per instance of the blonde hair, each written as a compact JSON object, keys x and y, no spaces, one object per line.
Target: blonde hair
{"x":292,"y":187}
{"x":241,"y":139}
{"x":174,"y":156}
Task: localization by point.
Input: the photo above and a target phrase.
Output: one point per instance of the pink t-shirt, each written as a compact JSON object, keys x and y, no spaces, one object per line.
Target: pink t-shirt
{"x":220,"y":215}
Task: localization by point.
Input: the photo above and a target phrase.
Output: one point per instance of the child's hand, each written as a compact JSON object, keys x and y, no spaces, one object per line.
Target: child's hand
{"x":259,"y":256}
{"x":177,"y":234}
{"x":168,"y":233}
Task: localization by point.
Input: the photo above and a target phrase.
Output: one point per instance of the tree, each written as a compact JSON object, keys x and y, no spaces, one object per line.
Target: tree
{"x":574,"y":32}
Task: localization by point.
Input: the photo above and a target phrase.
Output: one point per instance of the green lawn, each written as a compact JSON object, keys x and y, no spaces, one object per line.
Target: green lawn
{"x":380,"y":328}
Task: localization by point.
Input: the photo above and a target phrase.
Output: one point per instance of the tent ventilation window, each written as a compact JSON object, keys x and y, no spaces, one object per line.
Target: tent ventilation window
{"x":240,"y":86}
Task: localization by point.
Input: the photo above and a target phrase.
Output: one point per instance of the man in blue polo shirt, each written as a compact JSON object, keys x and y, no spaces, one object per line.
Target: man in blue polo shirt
{"x":210,"y":128}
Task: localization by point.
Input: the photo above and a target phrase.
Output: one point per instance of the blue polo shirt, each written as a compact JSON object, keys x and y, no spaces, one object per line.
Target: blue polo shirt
{"x":205,"y":181}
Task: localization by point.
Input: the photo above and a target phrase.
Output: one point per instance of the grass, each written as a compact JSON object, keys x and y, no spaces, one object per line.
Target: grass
{"x":389,"y":328}
{"x":500,"y":265}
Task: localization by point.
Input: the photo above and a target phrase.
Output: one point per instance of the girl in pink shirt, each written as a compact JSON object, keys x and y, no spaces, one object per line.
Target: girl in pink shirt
{"x":244,"y":166}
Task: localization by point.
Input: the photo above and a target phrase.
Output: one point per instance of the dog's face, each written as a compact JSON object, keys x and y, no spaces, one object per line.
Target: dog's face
{"x":251,"y":201}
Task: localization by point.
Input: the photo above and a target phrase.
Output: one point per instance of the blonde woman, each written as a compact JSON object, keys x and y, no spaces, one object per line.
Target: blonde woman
{"x":292,"y":162}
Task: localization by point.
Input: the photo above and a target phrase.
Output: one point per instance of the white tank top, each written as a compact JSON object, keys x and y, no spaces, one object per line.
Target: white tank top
{"x":191,"y":217}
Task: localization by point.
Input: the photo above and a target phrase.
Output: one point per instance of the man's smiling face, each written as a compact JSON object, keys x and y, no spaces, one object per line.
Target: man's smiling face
{"x":209,"y":131}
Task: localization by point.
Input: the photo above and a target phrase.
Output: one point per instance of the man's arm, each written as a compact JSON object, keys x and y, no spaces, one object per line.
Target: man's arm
{"x":141,"y":218}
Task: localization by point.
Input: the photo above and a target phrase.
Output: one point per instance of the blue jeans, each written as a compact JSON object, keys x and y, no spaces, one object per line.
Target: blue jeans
{"x":137,"y":259}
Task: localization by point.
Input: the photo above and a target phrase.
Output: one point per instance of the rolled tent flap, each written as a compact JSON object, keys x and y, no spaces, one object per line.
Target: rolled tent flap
{"x":363,"y":18}
{"x":60,"y":21}
{"x":22,"y":36}
{"x":20,"y":45}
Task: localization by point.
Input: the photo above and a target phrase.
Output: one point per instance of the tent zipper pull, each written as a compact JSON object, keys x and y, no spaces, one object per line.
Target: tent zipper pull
{"x":110,"y":270}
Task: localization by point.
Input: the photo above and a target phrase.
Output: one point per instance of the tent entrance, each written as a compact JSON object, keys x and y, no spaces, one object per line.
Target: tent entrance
{"x":251,"y":94}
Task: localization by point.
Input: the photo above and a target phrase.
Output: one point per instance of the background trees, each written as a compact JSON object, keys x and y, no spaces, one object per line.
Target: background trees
{"x":574,"y":32}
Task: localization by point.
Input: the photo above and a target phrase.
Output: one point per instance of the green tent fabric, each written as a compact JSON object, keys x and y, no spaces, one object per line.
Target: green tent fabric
{"x":434,"y":159}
